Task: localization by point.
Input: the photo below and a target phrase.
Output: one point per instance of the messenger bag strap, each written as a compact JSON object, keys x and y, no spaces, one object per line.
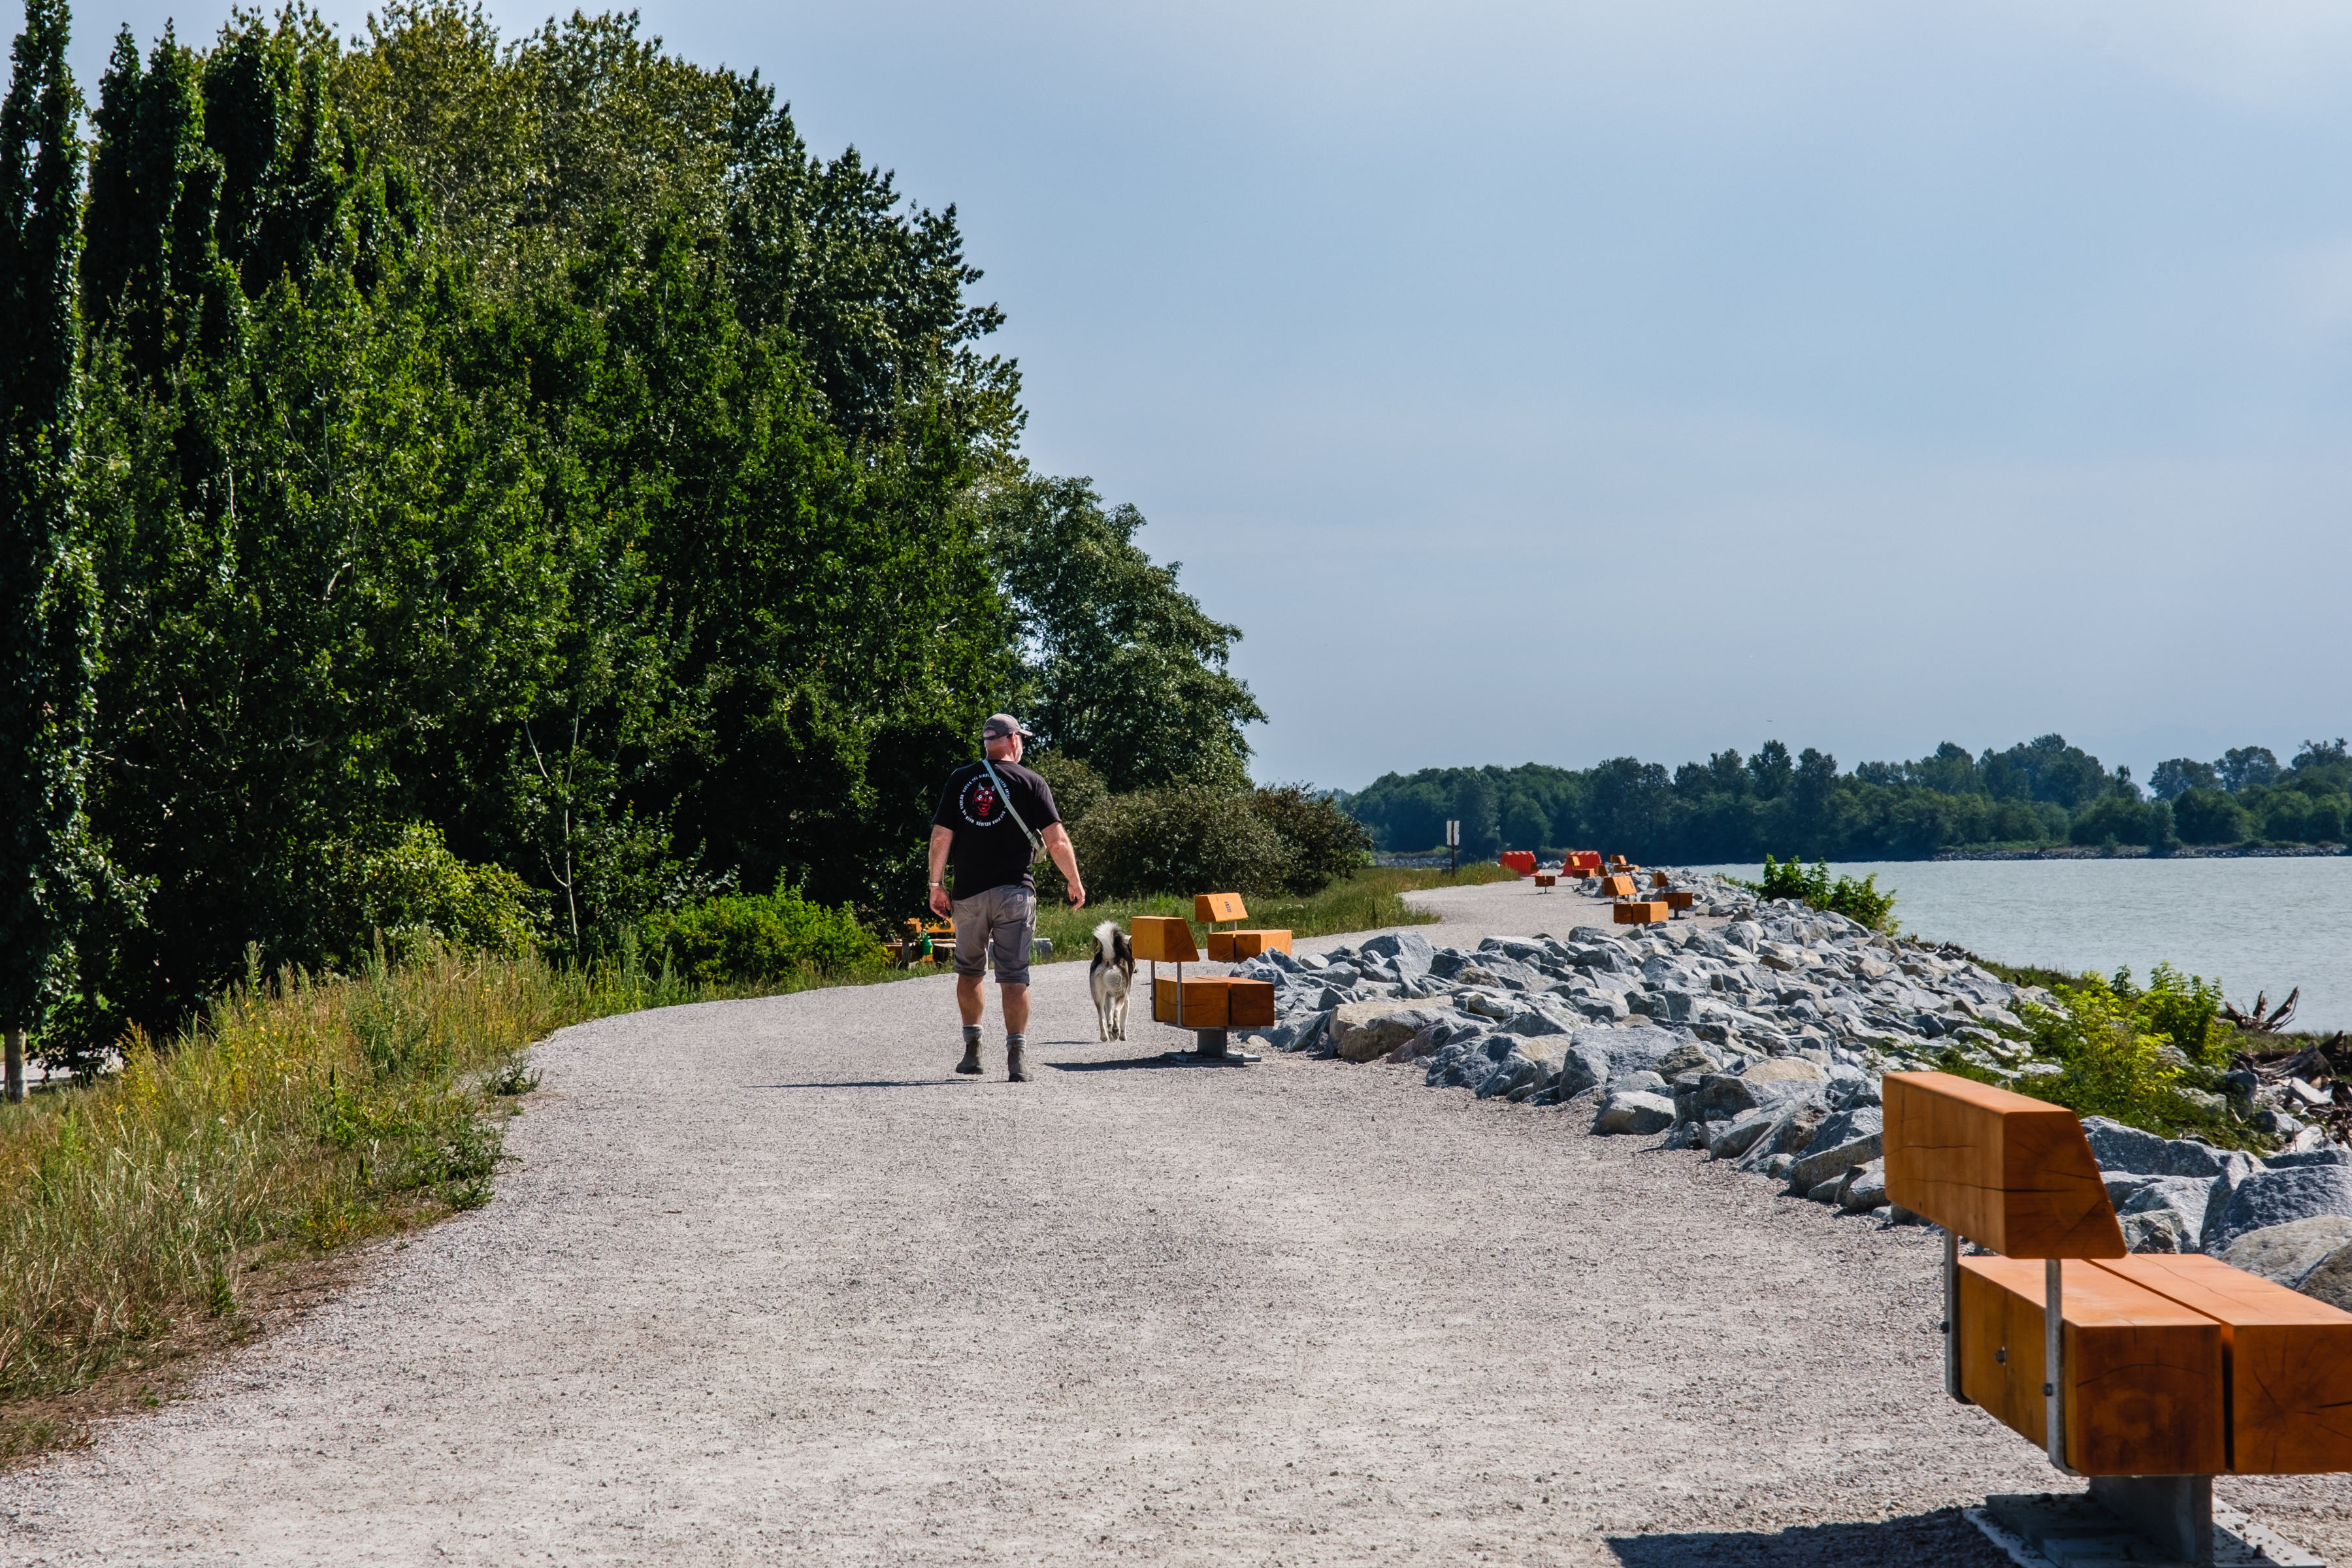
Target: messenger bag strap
{"x":1036,"y":845}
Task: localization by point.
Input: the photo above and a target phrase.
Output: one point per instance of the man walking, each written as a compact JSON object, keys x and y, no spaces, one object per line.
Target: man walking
{"x":993,"y":817}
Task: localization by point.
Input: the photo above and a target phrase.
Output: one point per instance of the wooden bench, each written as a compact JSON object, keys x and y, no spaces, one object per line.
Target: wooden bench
{"x":1208,"y":1004}
{"x":1660,"y":879}
{"x":2149,"y":1374}
{"x":1679,"y":902}
{"x":1617,"y":886}
{"x":1546,"y":881}
{"x":1233,"y":946}
{"x":1646,"y":912}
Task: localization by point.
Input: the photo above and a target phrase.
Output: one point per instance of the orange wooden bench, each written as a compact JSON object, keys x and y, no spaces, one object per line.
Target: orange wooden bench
{"x":1679,"y":902}
{"x":1208,"y":1004}
{"x":1233,"y":946}
{"x":2149,"y":1374}
{"x":1641,"y":912}
{"x":1659,"y":879}
{"x":1617,"y":886}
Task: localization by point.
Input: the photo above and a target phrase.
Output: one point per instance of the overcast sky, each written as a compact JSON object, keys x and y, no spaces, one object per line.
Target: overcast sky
{"x":1558,"y":381}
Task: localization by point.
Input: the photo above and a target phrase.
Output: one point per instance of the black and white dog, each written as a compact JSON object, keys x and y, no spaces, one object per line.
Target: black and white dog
{"x":1112,"y":972}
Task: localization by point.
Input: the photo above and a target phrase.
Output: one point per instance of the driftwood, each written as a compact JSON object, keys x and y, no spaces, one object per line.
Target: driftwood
{"x":2264,"y":1020}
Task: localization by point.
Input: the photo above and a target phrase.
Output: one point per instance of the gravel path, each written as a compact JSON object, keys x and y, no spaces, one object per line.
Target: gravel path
{"x":771,"y":1283}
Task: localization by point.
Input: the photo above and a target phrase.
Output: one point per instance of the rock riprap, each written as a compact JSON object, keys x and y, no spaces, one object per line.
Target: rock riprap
{"x":1762,"y":1041}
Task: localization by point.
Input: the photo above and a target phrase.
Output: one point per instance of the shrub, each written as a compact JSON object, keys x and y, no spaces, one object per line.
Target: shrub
{"x":2111,"y":819}
{"x":2129,"y":1051}
{"x":404,"y":882}
{"x":1077,"y":789}
{"x":2208,"y":816}
{"x":746,"y":939}
{"x":1195,"y":840}
{"x":1860,"y":901}
{"x":1323,"y":843}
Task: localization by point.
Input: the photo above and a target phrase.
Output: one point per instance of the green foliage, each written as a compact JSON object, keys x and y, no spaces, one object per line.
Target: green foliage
{"x":1181,"y":842}
{"x":523,"y":454}
{"x":745,"y":939}
{"x":2185,"y":1009}
{"x":1731,"y":809}
{"x":1321,"y":843}
{"x":1124,"y":669}
{"x":2208,"y":816}
{"x":1859,"y":901}
{"x":2130,"y":1052}
{"x":1077,"y":789}
{"x":51,"y":871}
{"x":406,"y":886}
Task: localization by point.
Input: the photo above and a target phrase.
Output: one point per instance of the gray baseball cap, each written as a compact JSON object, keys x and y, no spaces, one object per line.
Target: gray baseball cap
{"x":1000,"y":725}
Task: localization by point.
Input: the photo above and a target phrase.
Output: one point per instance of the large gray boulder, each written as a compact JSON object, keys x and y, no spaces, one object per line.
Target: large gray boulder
{"x":1514,"y":1071}
{"x":1736,"y":1137}
{"x":1849,"y":1138}
{"x":1791,"y":1129}
{"x":1366,"y":1031}
{"x":2269,"y":1198}
{"x":2183,"y":1198}
{"x":1583,"y":1066}
{"x":2120,"y":1148}
{"x":1533,"y":1022}
{"x":2286,"y":1254}
{"x":1636,"y":1049}
{"x":2330,"y":1279}
{"x":1409,"y":951}
{"x":1635,"y":1110}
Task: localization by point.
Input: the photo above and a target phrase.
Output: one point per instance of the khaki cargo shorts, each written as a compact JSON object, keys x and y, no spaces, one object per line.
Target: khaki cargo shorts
{"x":999,"y":924}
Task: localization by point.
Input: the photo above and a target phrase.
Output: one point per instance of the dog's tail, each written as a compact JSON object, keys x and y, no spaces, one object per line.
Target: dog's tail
{"x":1106,"y":939}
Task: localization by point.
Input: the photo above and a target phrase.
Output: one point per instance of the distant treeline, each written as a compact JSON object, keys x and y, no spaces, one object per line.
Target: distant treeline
{"x":1731,"y":809}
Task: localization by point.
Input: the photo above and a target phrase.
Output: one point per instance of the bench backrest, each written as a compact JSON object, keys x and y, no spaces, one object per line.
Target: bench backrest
{"x":1161,"y":939}
{"x":2009,"y":1174}
{"x":1211,"y":908}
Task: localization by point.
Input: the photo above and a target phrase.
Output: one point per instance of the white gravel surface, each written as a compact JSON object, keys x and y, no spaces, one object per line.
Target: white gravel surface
{"x":771,"y":1284}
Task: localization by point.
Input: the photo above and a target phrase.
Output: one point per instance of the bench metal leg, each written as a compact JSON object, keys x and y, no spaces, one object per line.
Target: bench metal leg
{"x":1952,"y":1317}
{"x":2053,"y":1360}
{"x":2174,"y":1512}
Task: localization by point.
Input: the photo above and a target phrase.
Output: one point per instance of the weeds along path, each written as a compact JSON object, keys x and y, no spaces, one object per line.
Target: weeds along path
{"x":771,"y":1284}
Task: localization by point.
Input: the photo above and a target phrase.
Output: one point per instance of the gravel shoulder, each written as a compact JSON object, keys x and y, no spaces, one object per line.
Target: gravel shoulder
{"x":771,"y":1283}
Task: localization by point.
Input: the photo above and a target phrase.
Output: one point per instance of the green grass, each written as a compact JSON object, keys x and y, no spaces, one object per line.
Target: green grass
{"x":295,"y":1116}
{"x":1366,"y":901}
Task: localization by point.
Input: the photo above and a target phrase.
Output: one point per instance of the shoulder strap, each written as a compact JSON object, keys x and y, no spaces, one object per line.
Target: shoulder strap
{"x":1036,"y":845}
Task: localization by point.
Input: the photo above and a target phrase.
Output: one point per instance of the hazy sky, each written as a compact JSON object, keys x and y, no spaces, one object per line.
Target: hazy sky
{"x":1558,"y":381}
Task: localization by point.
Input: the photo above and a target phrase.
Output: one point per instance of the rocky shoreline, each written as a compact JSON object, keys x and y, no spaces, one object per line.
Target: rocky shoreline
{"x":1762,"y":1041}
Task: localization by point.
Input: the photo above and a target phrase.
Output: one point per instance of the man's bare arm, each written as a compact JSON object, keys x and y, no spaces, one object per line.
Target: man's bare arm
{"x":1057,"y":845}
{"x":941,"y":838}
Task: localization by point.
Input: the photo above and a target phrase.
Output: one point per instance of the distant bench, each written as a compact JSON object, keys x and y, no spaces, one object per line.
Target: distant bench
{"x":2169,"y":1370}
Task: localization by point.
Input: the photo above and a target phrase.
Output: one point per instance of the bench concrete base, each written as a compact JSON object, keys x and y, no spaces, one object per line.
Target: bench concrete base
{"x":1214,"y":1049}
{"x":2152,"y":1519}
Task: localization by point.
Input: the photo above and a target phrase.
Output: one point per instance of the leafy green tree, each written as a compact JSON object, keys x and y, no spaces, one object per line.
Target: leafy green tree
{"x":1126,"y":669}
{"x":1771,"y":771}
{"x":2208,"y":816}
{"x":2177,"y":775}
{"x":49,"y":868}
{"x":2243,"y":768}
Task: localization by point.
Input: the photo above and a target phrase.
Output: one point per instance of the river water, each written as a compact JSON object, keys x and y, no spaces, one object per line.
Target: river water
{"x":2256,"y":924}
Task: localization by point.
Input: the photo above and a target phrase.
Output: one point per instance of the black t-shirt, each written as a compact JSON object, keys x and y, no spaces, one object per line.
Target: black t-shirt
{"x":990,"y":849}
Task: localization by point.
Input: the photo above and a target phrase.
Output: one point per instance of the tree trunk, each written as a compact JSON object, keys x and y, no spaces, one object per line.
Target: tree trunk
{"x":16,"y":1064}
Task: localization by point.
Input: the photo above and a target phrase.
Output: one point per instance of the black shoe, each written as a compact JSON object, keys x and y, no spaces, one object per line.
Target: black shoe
{"x":1014,"y":1072}
{"x":971,"y":1063}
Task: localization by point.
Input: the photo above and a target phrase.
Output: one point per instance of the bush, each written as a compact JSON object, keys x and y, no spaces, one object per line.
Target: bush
{"x":2128,"y":1051}
{"x":746,"y":939}
{"x":1860,"y":901}
{"x":2111,"y":818}
{"x":2208,"y":816}
{"x":1077,"y":789}
{"x":1196,"y":841}
{"x":404,"y":882}
{"x":1322,"y":842}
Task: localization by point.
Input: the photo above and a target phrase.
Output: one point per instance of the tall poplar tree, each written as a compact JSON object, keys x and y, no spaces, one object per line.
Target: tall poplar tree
{"x":48,"y":600}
